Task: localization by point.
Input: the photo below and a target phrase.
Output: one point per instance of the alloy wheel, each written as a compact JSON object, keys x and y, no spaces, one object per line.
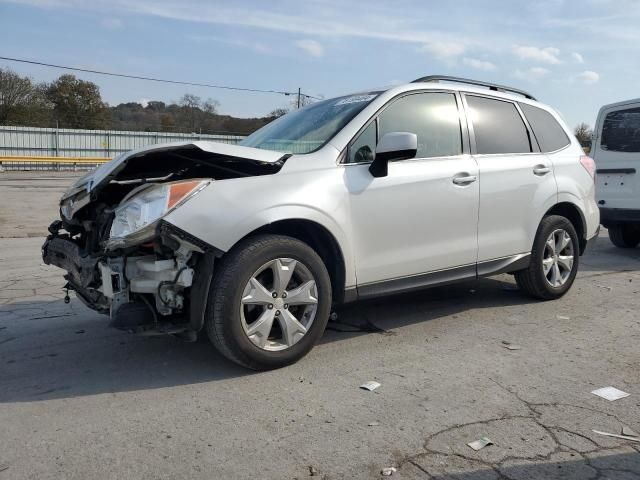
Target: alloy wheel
{"x":279,"y":304}
{"x":558,"y":258}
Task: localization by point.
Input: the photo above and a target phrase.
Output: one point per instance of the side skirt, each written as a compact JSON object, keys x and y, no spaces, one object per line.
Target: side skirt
{"x":487,"y":268}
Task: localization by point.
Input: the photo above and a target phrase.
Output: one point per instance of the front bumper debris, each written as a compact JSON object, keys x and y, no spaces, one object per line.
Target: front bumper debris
{"x":157,"y":278}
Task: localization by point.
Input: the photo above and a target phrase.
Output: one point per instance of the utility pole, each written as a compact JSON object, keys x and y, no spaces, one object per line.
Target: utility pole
{"x":298,"y":97}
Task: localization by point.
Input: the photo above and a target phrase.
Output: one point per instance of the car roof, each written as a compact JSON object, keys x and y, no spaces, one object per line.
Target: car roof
{"x":514,"y":97}
{"x":619,"y":104}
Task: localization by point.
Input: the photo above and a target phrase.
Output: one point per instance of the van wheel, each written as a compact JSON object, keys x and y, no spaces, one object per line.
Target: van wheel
{"x":624,"y":235}
{"x":554,"y":260}
{"x":269,"y":302}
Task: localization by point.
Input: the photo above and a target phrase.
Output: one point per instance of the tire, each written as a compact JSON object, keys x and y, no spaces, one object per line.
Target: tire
{"x":551,"y":284}
{"x":235,"y":299}
{"x":624,"y":235}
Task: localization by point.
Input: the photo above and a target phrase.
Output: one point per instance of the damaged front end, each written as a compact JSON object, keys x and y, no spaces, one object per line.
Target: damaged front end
{"x":121,"y":258}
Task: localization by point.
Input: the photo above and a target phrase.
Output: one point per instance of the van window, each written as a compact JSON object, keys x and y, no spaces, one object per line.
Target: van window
{"x":550,"y":135}
{"x":498,"y":126}
{"x":621,"y":131}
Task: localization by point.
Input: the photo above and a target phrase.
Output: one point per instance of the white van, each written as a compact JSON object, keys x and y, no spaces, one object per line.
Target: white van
{"x":616,"y":150}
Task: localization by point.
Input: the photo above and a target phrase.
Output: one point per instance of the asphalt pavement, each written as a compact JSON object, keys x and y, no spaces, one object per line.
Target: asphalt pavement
{"x":79,"y":400}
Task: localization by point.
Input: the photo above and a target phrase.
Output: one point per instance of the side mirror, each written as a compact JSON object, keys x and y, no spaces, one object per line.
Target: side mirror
{"x":393,"y":147}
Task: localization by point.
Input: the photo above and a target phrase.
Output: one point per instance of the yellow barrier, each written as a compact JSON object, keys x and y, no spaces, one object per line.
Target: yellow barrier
{"x":57,"y":160}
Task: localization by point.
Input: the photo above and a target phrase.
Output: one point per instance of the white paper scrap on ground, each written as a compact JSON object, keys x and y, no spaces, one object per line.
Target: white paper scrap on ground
{"x":610,"y":393}
{"x":388,"y":471}
{"x":624,"y":437}
{"x":370,"y":385}
{"x":480,"y":443}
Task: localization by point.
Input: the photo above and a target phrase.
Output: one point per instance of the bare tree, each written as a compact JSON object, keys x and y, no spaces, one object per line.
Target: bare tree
{"x":16,"y":93}
{"x":300,"y":100}
{"x":583,"y":133}
{"x":278,"y":112}
{"x":192,"y":104}
{"x":210,"y":106}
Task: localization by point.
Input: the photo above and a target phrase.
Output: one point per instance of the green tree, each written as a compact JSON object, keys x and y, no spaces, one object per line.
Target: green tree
{"x":77,"y":103}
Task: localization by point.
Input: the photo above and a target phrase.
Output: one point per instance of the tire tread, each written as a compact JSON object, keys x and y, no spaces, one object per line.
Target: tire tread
{"x":225,"y":272}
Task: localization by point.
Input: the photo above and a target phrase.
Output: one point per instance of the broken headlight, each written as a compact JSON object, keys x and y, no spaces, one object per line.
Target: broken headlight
{"x":137,"y":215}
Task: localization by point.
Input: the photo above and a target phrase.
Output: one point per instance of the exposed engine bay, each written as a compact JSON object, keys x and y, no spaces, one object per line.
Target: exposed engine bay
{"x":121,"y":257}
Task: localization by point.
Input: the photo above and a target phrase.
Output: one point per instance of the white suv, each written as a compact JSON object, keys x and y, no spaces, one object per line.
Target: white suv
{"x":439,"y":180}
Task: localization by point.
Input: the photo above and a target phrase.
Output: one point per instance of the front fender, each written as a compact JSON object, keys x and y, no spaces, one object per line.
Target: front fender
{"x":217,"y":217}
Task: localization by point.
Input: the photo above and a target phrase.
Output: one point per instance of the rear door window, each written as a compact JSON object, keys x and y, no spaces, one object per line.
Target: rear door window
{"x":498,"y":126}
{"x":550,"y":135}
{"x":621,"y":131}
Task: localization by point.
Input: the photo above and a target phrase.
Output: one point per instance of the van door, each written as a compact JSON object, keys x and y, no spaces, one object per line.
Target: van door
{"x":517,"y":183}
{"x":616,"y":152}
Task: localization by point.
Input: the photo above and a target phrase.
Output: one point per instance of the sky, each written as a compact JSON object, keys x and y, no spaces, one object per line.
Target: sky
{"x":573,"y":55}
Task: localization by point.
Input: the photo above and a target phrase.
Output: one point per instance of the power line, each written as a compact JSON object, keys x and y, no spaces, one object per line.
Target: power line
{"x":159,"y":80}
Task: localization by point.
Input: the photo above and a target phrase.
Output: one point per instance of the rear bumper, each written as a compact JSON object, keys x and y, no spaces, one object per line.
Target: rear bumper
{"x":609,"y":216}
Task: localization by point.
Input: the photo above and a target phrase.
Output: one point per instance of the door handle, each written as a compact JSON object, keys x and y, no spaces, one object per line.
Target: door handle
{"x":464,"y":179}
{"x":541,"y":170}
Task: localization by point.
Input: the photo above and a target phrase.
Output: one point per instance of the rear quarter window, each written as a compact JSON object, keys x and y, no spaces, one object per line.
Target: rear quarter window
{"x":550,"y":135}
{"x":621,"y":131}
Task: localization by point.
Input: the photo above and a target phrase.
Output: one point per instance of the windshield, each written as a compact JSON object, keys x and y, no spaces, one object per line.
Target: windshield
{"x":308,"y":129}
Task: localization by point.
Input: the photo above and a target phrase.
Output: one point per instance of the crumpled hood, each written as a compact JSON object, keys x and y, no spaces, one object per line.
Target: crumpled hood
{"x":221,"y":152}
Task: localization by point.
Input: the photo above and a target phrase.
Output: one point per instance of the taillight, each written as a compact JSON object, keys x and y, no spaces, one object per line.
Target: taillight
{"x":589,"y":165}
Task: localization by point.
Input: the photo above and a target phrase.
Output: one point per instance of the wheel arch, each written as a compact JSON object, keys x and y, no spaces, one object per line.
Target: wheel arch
{"x":321,"y":240}
{"x":574,"y":214}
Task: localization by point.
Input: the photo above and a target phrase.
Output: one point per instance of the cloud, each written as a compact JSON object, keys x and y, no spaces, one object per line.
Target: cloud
{"x":256,"y":46}
{"x":312,"y":47}
{"x":541,"y":55}
{"x":443,"y":49}
{"x":589,"y":77}
{"x":577,"y":57}
{"x":144,"y":102}
{"x":479,"y":64}
{"x":532,"y":74}
{"x":111,"y":23}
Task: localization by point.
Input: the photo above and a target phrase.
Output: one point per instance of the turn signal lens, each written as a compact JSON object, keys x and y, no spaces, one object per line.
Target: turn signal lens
{"x":177,"y":191}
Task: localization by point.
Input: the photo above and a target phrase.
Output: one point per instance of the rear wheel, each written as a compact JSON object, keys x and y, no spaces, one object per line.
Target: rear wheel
{"x":554,"y":260}
{"x":624,"y":235}
{"x":269,"y":302}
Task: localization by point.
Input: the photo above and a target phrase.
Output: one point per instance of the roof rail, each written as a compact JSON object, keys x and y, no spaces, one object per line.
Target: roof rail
{"x":490,"y":86}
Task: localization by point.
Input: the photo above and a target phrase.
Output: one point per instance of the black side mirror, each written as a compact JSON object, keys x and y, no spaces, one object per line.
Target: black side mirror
{"x":393,"y":147}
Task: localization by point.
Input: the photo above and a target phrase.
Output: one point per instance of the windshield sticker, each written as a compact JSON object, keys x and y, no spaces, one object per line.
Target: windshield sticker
{"x":354,"y":99}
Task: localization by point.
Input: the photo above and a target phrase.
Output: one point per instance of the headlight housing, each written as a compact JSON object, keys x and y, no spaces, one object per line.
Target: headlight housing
{"x":139,"y":212}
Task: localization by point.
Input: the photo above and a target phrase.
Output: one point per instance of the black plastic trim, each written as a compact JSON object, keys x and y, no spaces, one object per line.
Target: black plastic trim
{"x":166,"y":228}
{"x":609,"y":216}
{"x":616,"y":170}
{"x":416,"y":282}
{"x":509,"y":264}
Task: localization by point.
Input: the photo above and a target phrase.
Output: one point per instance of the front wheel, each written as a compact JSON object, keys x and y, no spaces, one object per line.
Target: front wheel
{"x":554,"y":260}
{"x":269,"y":303}
{"x":624,"y":235}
